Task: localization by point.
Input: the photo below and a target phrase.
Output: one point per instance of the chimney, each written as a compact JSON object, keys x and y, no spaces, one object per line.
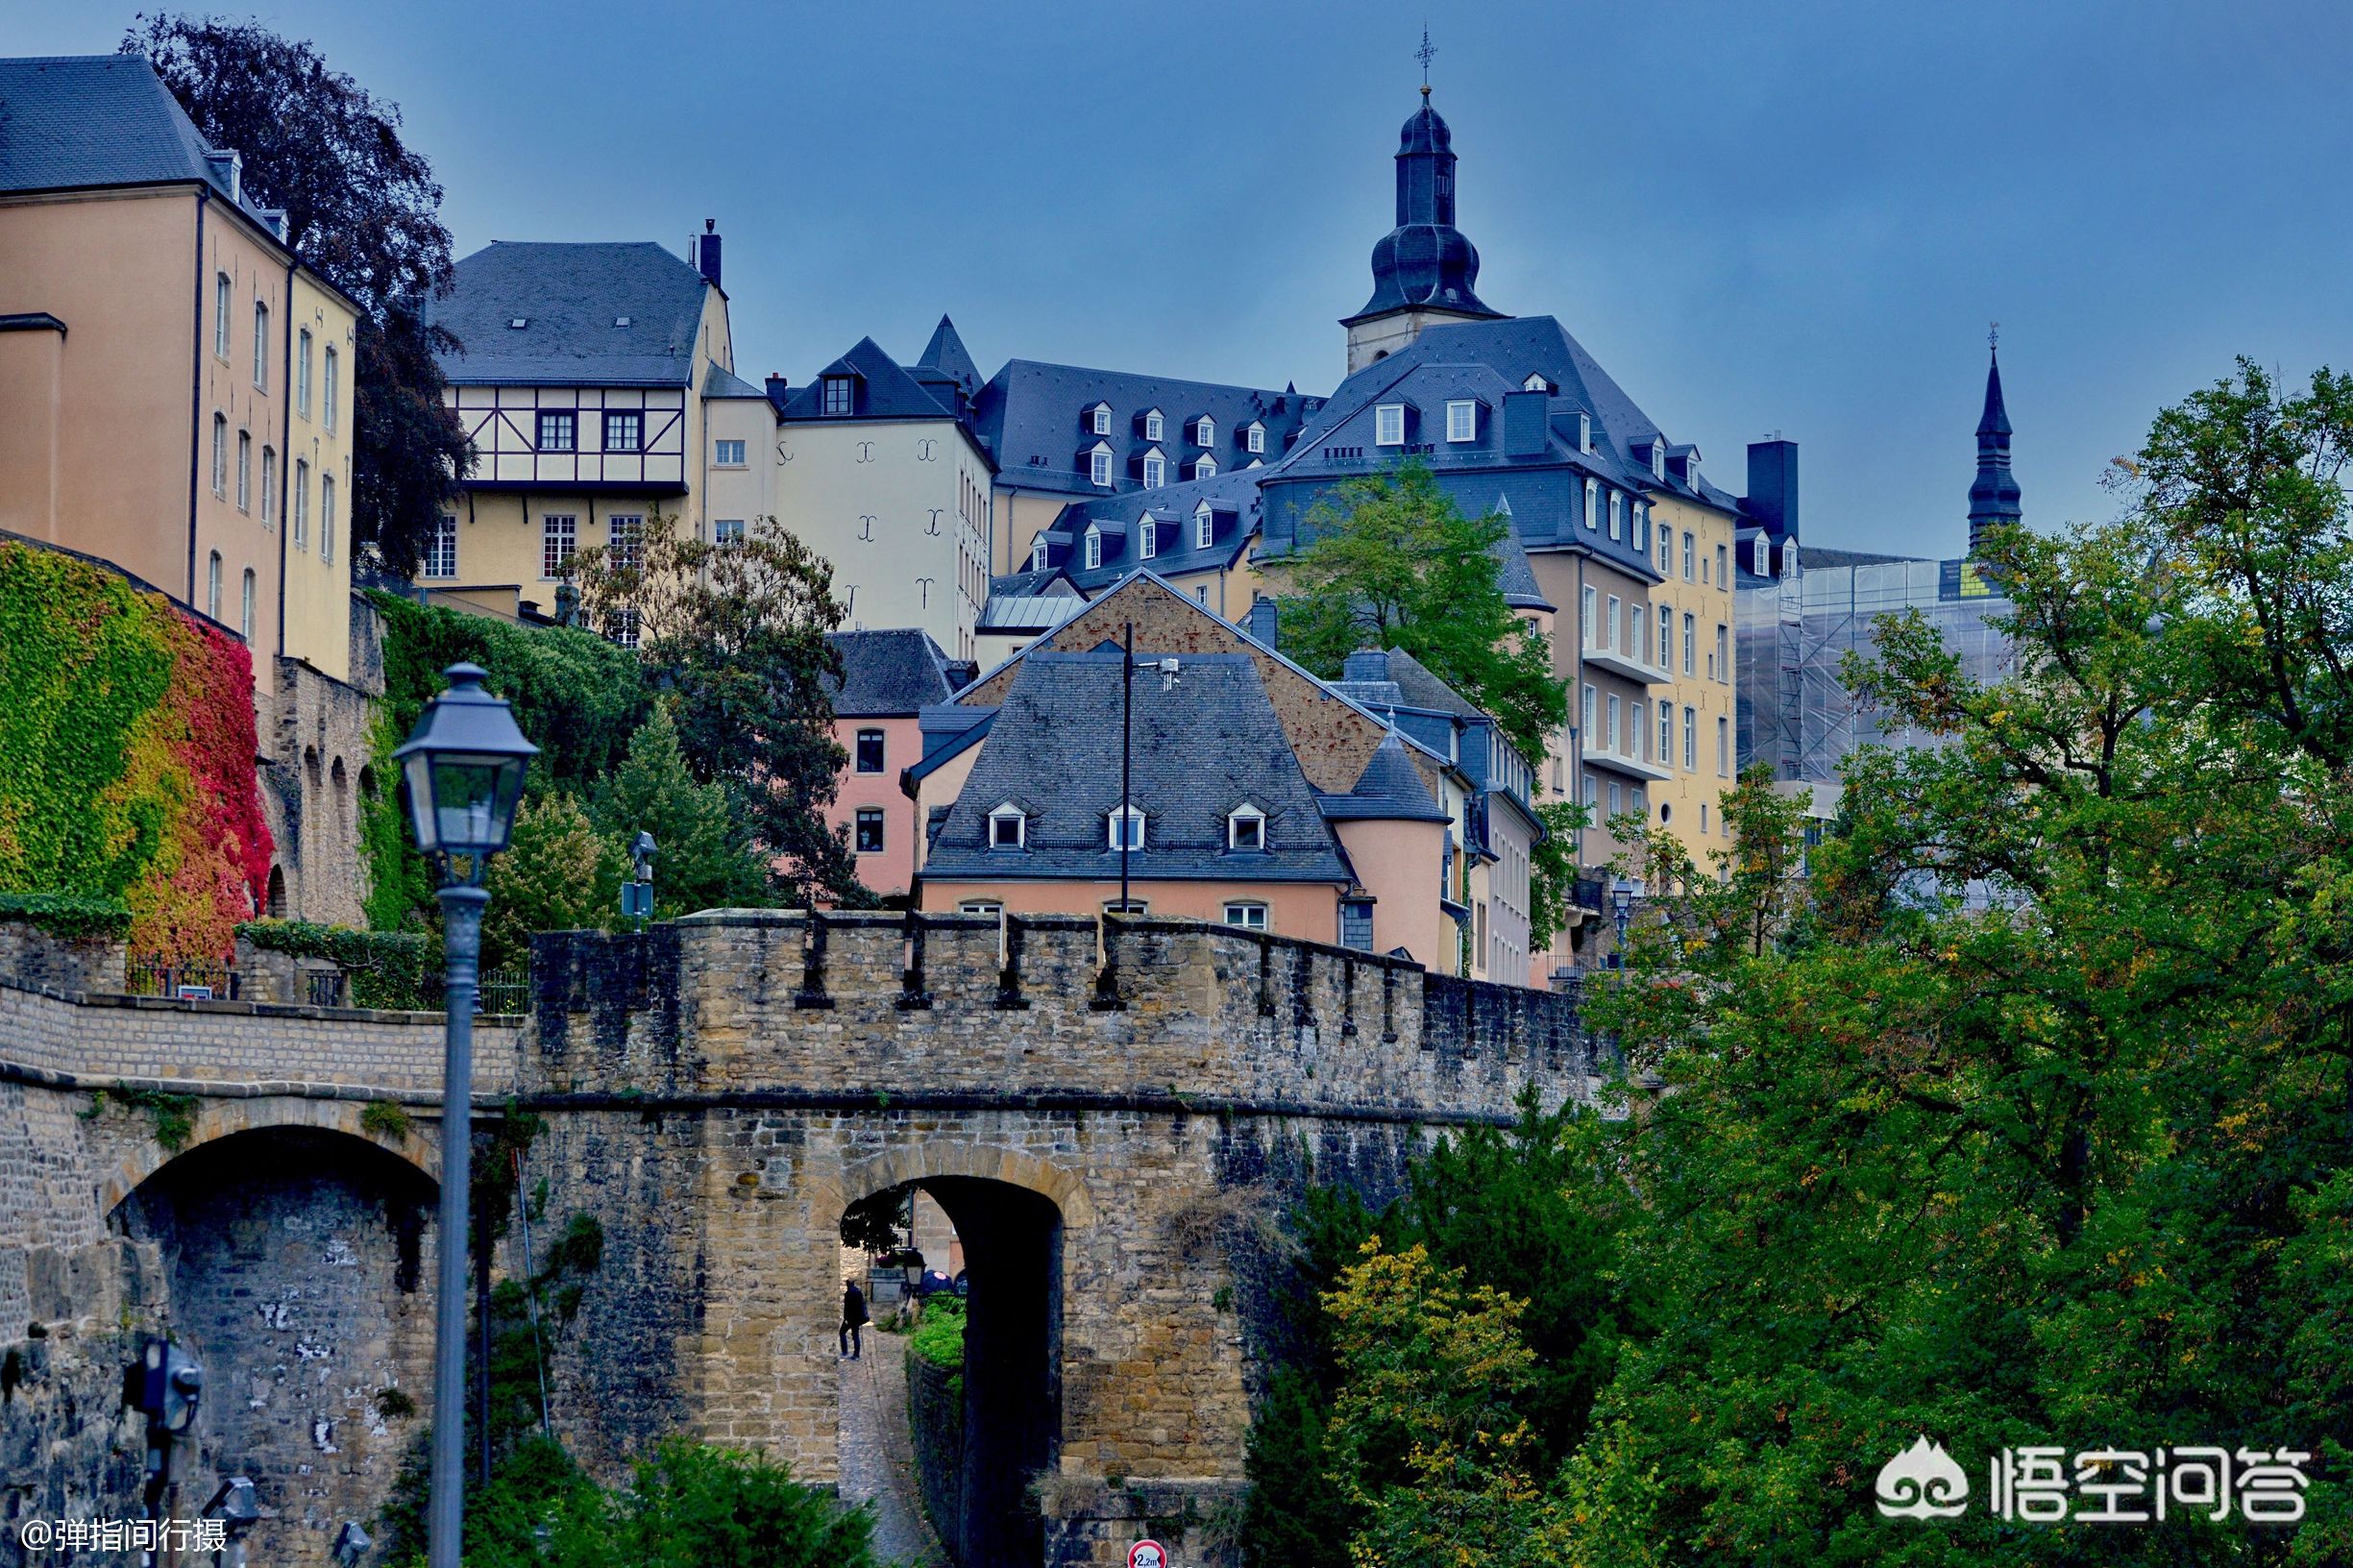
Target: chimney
{"x":707,"y":250}
{"x":1524,"y":416}
{"x":1367,"y":664}
{"x":777,"y":390}
{"x":1773,"y":486}
{"x":229,"y":169}
{"x":1262,"y":621}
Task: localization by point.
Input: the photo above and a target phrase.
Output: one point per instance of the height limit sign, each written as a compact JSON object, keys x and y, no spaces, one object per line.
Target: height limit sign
{"x":1147,"y":1555}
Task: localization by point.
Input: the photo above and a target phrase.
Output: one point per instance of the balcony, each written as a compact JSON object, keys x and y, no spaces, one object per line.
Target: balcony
{"x":1619,"y":762}
{"x":1628,"y":664}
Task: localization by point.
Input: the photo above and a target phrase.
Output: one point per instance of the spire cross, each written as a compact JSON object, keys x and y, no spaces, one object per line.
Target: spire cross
{"x":1426,"y":53}
{"x":1992,"y":334}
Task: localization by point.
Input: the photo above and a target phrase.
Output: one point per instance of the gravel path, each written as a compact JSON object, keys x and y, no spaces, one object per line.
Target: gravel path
{"x":878,"y":1455}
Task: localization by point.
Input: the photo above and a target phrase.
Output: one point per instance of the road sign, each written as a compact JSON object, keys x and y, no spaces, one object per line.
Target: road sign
{"x":1147,"y":1555}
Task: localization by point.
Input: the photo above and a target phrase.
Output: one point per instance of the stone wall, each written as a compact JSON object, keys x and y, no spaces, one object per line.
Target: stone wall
{"x":935,"y":1420}
{"x":315,"y":771}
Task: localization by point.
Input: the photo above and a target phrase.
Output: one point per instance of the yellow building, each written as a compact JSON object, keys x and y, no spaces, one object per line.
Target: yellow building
{"x":154,"y":325}
{"x":581,"y":377}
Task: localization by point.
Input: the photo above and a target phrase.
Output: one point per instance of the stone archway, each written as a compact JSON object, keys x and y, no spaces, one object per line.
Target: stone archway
{"x":217,"y":1120}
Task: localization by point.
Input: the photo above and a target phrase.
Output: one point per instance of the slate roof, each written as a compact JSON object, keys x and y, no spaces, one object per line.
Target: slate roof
{"x":1201,"y":748}
{"x":1421,"y":689}
{"x":1026,"y":585}
{"x":1390,"y":790}
{"x":719,"y":381}
{"x":1031,"y":415}
{"x":889,"y":673}
{"x":570,"y":298}
{"x":1516,"y":576}
{"x":1234,"y":499}
{"x":946,"y":352}
{"x":885,"y":390}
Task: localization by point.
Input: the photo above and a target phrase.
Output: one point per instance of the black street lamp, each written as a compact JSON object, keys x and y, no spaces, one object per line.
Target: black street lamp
{"x":464,"y":764}
{"x":1622,"y":907}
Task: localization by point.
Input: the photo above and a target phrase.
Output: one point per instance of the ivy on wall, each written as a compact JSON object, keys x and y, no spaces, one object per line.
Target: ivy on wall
{"x":127,"y":750}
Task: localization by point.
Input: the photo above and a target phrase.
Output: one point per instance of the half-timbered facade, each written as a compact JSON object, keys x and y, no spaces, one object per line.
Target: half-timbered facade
{"x":580,"y":378}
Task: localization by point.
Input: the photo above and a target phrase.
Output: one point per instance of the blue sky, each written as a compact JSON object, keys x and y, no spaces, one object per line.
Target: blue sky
{"x":1784,"y":216}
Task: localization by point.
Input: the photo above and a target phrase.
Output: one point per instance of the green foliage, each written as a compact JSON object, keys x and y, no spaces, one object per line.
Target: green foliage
{"x":1552,"y":871}
{"x":703,"y":855}
{"x":392,"y":1403}
{"x":399,"y":884}
{"x":171,"y":1116}
{"x":879,"y":1223}
{"x":1391,"y":562}
{"x":385,"y":1119}
{"x":556,"y":874}
{"x":68,"y":914}
{"x":939,"y":1333}
{"x":395,"y":969}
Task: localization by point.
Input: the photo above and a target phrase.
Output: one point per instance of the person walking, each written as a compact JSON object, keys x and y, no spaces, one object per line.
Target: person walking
{"x":853,"y":1319}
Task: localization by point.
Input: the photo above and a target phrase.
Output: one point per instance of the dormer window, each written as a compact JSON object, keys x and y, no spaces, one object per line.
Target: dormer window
{"x":1126,"y":829}
{"x":1148,"y":535}
{"x":1585,"y":434}
{"x":1098,"y":466}
{"x":1204,"y":467}
{"x":1093,"y":548}
{"x":1153,"y":429}
{"x":1390,"y":425}
{"x":1253,"y":437}
{"x":840,"y":395}
{"x":1036,"y":554}
{"x":1691,"y":470}
{"x":1593,"y":504}
{"x":1204,"y":526}
{"x":1098,"y":419}
{"x":1642,"y":526}
{"x":1615,"y":502}
{"x":1462,"y":420}
{"x":1658,"y":458}
{"x":1535,"y":383}
{"x":1204,"y":432}
{"x":1008,"y":827}
{"x":1246,"y":830}
{"x":1155,"y":469}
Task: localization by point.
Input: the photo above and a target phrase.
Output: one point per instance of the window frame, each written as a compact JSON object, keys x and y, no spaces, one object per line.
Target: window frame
{"x":261,"y":345}
{"x":1147,"y":540}
{"x":1253,"y":437}
{"x":861,"y":819}
{"x":1461,"y":419}
{"x":1155,"y":425}
{"x":1205,"y":432}
{"x":245,"y":471}
{"x":298,"y":522}
{"x":302,"y":372}
{"x":1113,"y":833}
{"x":837,"y":396}
{"x":727,"y":530}
{"x":220,"y":455}
{"x":223,"y":300}
{"x":858,"y":749}
{"x":1246,"y":908}
{"x":1688,"y":545}
{"x":1204,"y":526}
{"x":1000,"y":816}
{"x":1099,"y":420}
{"x":1250,"y":817}
{"x":269,"y":488}
{"x":326,"y":518}
{"x":1155,"y":470}
{"x":719,"y":452}
{"x":330,"y":364}
{"x":1091,"y":548}
{"x":1357,"y":912}
{"x":564,"y":420}
{"x":554,"y":560}
{"x":1593,"y":505}
{"x":212,"y":587}
{"x":444,"y":534}
{"x":1691,"y":740}
{"x":632,"y":420}
{"x":1388,"y":425}
{"x":1098,"y":467}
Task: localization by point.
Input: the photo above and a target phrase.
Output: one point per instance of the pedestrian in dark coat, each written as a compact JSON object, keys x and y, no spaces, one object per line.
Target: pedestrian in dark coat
{"x":853,"y":1319}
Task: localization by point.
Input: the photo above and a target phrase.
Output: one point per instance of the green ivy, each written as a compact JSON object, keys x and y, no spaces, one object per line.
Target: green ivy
{"x":68,"y":914}
{"x":393,"y":970}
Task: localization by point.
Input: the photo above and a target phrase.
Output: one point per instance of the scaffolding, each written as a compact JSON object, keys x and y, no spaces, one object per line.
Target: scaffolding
{"x":1794,"y":631}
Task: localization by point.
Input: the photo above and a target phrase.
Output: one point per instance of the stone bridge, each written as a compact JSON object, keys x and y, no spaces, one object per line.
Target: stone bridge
{"x":1113,"y":1119}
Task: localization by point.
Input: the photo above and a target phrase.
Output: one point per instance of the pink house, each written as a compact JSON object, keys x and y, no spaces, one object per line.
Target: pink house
{"x":888,"y":678}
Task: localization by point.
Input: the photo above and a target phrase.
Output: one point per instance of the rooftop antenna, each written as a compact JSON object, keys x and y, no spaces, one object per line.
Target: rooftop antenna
{"x":1425,"y":54}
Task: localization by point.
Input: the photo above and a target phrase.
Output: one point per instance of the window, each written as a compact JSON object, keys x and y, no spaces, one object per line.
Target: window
{"x":1250,"y":916}
{"x":1691,"y":638}
{"x":1638,"y":630}
{"x":327,"y":393}
{"x":1246,"y":829}
{"x":1616,"y":506}
{"x":1617,"y":798}
{"x":1255,"y":437}
{"x":1147,"y":537}
{"x":1206,"y":468}
{"x":625,"y":429}
{"x":1593,"y":504}
{"x":1585,"y":716}
{"x":870,"y":830}
{"x":261,"y":346}
{"x":213,"y":586}
{"x":626,"y":537}
{"x":727,"y":453}
{"x":1724,"y":746}
{"x":1037,"y":555}
{"x":1609,"y":627}
{"x":1008,"y":827}
{"x":1691,"y":740}
{"x":1584,"y":433}
{"x":870,"y":751}
{"x":245,"y":471}
{"x":1723,"y":660}
{"x":302,"y":372}
{"x":1098,"y":467}
{"x":327,"y":517}
{"x":301,"y":523}
{"x":220,"y":315}
{"x":1390,"y":425}
{"x":840,"y":395}
{"x":1666,"y":547}
{"x":1356,"y":923}
{"x":441,"y":549}
{"x":727,"y":530}
{"x":1205,"y":528}
{"x":1101,"y":424}
{"x":1642,"y":528}
{"x":1686,"y":557}
{"x":558,"y":538}
{"x":1093,"y":555}
{"x":1205,"y":433}
{"x":558,"y":429}
{"x":1134,"y":907}
{"x":1126,"y":829}
{"x":1658,"y":458}
{"x":1691,"y":472}
{"x":269,"y":489}
{"x":1155,"y":470}
{"x":1666,"y":637}
{"x":989,"y":907}
{"x":1589,"y":619}
{"x":1666,"y":733}
{"x":1610,"y":724}
{"x":220,"y":454}
{"x":1462,"y":420}
{"x":245,"y":609}
{"x":1153,"y":427}
{"x":1201,"y":593}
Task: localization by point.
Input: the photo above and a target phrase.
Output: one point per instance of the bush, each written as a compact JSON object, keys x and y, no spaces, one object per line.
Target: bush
{"x":71,"y":914}
{"x":388,"y":969}
{"x":939,"y":1333}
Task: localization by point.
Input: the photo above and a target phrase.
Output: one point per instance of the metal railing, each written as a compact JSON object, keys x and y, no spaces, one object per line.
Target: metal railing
{"x":506,"y":990}
{"x":323,"y":988}
{"x":188,"y":979}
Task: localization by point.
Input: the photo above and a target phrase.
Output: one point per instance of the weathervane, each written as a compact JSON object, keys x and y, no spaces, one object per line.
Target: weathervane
{"x":1426,"y":53}
{"x":1992,"y":334}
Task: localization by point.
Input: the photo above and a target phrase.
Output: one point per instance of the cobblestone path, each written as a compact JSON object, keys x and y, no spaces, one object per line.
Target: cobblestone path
{"x":879,"y":1455}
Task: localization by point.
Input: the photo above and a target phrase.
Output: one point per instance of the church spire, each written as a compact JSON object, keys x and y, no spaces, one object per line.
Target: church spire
{"x":1993,"y":500}
{"x":1425,"y":269}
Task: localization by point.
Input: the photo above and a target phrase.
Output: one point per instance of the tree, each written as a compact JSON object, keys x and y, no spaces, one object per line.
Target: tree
{"x":1551,"y":872}
{"x":704,"y":857}
{"x":1391,"y":563}
{"x":363,"y":210}
{"x":735,"y":634}
{"x":556,"y":875}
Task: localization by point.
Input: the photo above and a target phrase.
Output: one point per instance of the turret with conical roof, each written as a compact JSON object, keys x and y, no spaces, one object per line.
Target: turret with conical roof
{"x":1993,"y":500}
{"x":1425,"y":269}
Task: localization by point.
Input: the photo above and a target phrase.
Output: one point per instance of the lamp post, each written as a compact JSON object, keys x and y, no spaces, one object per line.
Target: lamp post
{"x":1622,"y":907}
{"x":464,"y":764}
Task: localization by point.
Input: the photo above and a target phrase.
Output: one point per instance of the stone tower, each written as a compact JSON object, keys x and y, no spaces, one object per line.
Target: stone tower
{"x":1993,"y":500}
{"x":1423,"y":269}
